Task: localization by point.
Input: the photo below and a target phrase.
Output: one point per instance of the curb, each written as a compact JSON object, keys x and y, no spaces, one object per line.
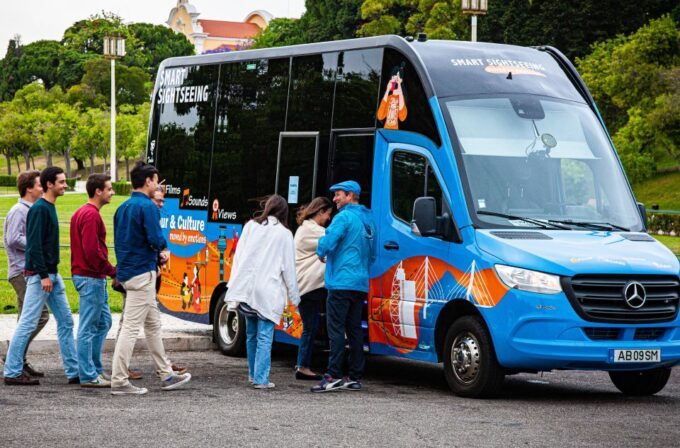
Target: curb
{"x":171,"y":343}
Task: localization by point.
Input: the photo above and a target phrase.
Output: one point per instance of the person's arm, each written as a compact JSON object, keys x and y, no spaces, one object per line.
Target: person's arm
{"x":151,"y":219}
{"x":90,"y":229}
{"x":334,"y":233}
{"x":35,"y":229}
{"x":288,"y":270}
{"x":16,"y":231}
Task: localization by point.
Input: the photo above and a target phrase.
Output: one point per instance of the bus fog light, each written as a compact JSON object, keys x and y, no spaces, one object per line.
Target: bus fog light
{"x":527,"y":280}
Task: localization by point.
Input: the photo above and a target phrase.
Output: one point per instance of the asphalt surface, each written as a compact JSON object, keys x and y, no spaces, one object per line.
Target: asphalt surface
{"x":403,"y":404}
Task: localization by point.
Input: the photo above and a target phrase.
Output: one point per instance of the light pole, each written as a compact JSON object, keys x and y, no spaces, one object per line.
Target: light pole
{"x":474,"y":8}
{"x":114,"y":48}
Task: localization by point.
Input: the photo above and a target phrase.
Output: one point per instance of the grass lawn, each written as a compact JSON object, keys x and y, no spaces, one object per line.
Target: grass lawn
{"x":663,"y":190}
{"x":66,"y":206}
{"x":672,"y":242}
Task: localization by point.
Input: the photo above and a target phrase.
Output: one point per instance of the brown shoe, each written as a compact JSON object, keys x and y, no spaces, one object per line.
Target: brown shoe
{"x":30,"y":371}
{"x":134,"y":374}
{"x":21,"y":380}
{"x":180,"y":370}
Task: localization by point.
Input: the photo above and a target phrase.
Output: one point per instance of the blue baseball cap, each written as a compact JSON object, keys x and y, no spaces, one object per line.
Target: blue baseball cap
{"x":348,"y":186}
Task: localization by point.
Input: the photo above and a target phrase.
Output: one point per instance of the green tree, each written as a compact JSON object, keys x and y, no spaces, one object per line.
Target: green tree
{"x":131,"y":82}
{"x":9,"y":70}
{"x":156,"y":43}
{"x":131,"y":128}
{"x":281,"y":32}
{"x":40,"y":61}
{"x":6,"y":147}
{"x":91,"y":135}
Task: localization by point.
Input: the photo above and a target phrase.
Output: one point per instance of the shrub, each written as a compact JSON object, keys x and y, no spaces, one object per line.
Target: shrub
{"x":663,"y":223}
{"x":122,"y":188}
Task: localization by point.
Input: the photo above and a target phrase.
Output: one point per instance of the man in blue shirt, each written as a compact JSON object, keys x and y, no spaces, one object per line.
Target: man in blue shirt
{"x":348,"y":249}
{"x":138,"y":243}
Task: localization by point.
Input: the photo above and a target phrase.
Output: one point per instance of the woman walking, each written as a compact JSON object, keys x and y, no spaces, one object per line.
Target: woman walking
{"x":262,"y":280}
{"x":312,"y":220}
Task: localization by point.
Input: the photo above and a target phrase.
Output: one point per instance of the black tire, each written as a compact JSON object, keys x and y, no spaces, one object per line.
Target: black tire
{"x":229,"y":330}
{"x":470,"y":363}
{"x":645,"y":382}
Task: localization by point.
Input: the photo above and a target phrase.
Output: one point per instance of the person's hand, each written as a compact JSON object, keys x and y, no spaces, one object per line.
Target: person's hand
{"x":46,"y":284}
{"x":165,"y":256}
{"x":114,"y":282}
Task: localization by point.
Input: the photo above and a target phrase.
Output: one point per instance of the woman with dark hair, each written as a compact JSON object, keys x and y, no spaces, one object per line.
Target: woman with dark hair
{"x":262,"y":280}
{"x":312,"y":218}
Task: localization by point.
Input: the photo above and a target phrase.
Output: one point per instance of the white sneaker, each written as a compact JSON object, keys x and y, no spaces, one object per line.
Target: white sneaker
{"x":100,"y":381}
{"x":128,"y":390}
{"x":264,"y":386}
{"x":175,"y":381}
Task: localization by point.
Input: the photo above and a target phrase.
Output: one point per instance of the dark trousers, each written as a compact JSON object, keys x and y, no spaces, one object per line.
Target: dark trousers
{"x":310,"y":304}
{"x":343,"y":316}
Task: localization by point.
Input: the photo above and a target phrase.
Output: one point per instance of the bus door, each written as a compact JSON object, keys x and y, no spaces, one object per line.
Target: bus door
{"x":404,"y":316}
{"x":351,"y":158}
{"x":296,"y":171}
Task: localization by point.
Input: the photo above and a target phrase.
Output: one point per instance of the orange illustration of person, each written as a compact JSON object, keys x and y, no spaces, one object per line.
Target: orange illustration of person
{"x":196,"y":290}
{"x":215,"y":207}
{"x":393,"y":105}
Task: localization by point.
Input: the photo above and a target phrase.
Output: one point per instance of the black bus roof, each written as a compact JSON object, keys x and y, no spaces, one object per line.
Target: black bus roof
{"x":447,"y":68}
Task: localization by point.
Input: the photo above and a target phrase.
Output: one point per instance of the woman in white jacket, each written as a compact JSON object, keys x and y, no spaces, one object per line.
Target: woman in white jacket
{"x":262,"y":280}
{"x":312,"y":220}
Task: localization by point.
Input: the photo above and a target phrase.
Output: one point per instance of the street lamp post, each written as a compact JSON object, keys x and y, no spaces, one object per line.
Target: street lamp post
{"x":474,"y":8}
{"x":114,"y":48}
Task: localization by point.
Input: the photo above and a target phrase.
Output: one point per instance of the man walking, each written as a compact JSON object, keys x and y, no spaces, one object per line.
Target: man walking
{"x":348,"y":248}
{"x":43,"y":283}
{"x":139,"y":243}
{"x":89,"y":268}
{"x":30,"y":190}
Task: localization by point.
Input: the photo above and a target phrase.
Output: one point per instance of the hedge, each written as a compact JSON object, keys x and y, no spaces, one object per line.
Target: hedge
{"x":122,"y":188}
{"x":11,"y":181}
{"x":663,"y":223}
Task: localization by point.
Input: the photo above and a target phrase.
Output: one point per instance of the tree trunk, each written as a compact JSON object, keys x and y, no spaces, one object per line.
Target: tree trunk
{"x":27,"y":157}
{"x":48,"y":157}
{"x":18,"y":166}
{"x":67,"y":161}
{"x":33,"y":162}
{"x":9,"y":164}
{"x":80,"y":163}
{"x":127,"y":169}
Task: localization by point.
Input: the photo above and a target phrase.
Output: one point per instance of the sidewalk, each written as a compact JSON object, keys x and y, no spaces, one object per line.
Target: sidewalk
{"x":177,"y":335}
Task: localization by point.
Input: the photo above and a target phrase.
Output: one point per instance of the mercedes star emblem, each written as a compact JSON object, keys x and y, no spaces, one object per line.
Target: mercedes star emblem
{"x":635,"y":294}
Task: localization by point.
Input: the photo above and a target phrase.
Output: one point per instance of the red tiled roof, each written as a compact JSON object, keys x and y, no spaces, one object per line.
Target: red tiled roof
{"x":236,"y":30}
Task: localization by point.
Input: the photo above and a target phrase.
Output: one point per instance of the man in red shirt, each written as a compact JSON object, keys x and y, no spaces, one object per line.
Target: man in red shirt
{"x":89,"y":268}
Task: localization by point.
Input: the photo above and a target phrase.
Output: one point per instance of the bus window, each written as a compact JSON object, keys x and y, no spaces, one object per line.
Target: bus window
{"x":356,"y":89}
{"x":311,"y":92}
{"x":403,"y":104}
{"x":186,"y":100}
{"x":409,"y":182}
{"x":352,"y":159}
{"x":250,"y":115}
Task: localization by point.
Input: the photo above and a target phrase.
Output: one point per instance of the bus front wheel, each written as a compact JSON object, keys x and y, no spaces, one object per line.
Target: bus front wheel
{"x":470,"y":364}
{"x":229,"y":330}
{"x":645,"y":382}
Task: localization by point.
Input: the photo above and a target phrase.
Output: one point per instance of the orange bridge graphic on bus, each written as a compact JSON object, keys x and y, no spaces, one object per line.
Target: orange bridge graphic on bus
{"x":399,"y":299}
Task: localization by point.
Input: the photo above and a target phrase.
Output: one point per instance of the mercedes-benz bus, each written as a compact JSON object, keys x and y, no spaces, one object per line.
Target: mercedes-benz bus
{"x":509,"y":239}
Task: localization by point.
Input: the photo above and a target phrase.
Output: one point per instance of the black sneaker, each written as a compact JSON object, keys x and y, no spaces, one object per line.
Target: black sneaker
{"x":327,"y":384}
{"x":349,"y":384}
{"x":74,"y":380}
{"x":30,"y":371}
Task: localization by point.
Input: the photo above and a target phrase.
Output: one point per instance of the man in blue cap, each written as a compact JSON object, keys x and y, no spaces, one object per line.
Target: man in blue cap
{"x":348,"y":249}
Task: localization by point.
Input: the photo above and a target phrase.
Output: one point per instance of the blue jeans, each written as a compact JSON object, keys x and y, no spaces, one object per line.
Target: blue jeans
{"x":34,"y":301}
{"x":95,"y":322}
{"x":259,"y":337}
{"x":343,"y":316}
{"x":309,"y":307}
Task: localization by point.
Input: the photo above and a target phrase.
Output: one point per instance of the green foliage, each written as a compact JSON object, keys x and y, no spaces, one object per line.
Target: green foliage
{"x":10,"y":81}
{"x":40,"y":60}
{"x":662,"y":222}
{"x":636,"y":80}
{"x":158,"y":42}
{"x":130,"y":81}
{"x":122,"y":188}
{"x":663,"y":190}
{"x":281,"y":32}
{"x":8,"y":181}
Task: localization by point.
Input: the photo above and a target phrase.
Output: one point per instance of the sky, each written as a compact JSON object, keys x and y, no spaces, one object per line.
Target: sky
{"x":47,"y":19}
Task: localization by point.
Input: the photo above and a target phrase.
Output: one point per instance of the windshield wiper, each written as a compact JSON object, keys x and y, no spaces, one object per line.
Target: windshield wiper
{"x":594,"y":225}
{"x":538,"y":222}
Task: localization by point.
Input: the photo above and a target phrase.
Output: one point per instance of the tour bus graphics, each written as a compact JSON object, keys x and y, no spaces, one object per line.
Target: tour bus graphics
{"x":508,"y":238}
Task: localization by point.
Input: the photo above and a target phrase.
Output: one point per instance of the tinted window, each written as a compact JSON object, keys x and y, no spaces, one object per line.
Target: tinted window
{"x":412,"y":177}
{"x":353,"y":160}
{"x":356,"y":90}
{"x":403,"y":103}
{"x":311,"y":93}
{"x":186,"y":102}
{"x":250,"y":115}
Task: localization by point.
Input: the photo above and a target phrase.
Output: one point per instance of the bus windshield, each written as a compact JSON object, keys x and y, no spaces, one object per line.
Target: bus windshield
{"x":548,"y":160}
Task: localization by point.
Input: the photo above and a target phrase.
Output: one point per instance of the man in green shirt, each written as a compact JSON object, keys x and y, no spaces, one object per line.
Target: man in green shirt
{"x":43,"y":284}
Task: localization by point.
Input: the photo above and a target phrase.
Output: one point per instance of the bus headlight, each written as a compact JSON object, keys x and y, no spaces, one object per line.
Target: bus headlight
{"x":527,"y":280}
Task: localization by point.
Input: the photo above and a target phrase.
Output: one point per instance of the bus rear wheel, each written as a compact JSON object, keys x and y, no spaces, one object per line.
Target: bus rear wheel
{"x":229,"y":330}
{"x":645,"y":382}
{"x":470,"y":364}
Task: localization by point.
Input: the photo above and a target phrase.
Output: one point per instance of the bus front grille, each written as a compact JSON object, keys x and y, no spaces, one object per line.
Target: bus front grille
{"x":600,"y":298}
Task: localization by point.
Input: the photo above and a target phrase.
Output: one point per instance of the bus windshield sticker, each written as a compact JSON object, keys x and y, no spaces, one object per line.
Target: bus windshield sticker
{"x":502,"y":66}
{"x":293,"y":184}
{"x":393,"y":104}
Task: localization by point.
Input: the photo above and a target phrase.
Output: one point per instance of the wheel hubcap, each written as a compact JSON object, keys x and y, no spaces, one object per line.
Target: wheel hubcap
{"x":228,"y":325}
{"x":465,"y":357}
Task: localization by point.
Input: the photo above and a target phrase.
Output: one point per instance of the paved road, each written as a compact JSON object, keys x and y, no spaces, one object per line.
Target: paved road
{"x":403,"y":404}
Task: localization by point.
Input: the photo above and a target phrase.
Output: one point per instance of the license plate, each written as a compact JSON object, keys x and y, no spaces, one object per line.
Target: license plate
{"x":640,"y":355}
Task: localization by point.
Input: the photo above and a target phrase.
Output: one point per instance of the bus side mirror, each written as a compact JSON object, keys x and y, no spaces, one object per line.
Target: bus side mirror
{"x":643,"y":214}
{"x":424,"y":216}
